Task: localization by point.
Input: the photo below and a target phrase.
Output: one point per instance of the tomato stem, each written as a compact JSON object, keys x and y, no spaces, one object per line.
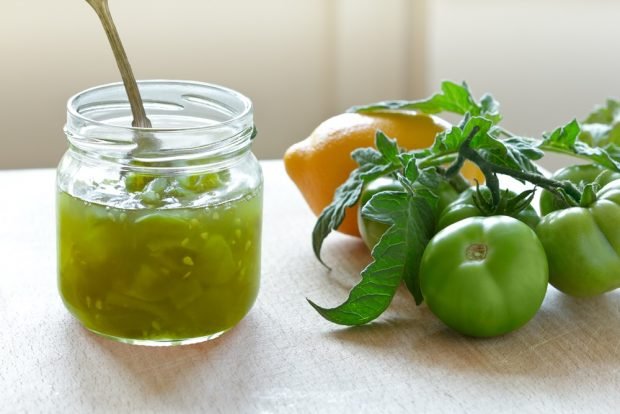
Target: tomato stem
{"x":491,"y":169}
{"x":438,"y":160}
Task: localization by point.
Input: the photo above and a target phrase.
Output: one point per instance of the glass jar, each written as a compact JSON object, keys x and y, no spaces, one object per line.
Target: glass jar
{"x":159,"y":229}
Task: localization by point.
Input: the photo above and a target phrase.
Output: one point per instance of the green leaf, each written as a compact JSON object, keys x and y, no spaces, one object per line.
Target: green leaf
{"x":365,"y":157}
{"x":387,"y":147}
{"x":448,"y":141}
{"x":489,"y":107}
{"x":605,"y":114}
{"x":396,"y":257}
{"x":602,"y":156}
{"x":516,"y":153}
{"x":424,"y":182}
{"x":455,"y":98}
{"x":451,"y":140}
{"x":411,"y":170}
{"x":383,"y":106}
{"x":380,"y":280}
{"x":484,"y":139}
{"x":372,"y":165}
{"x":429,"y":178}
{"x":602,"y":126}
{"x":521,"y":152}
{"x":563,"y":137}
{"x":332,"y":216}
{"x":414,"y":218}
{"x":386,"y":208}
{"x":526,"y":146}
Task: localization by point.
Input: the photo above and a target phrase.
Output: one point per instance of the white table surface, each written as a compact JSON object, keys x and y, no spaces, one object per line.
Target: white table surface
{"x":284,"y":357}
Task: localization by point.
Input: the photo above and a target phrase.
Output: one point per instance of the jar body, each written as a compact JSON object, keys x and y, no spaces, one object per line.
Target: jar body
{"x":162,"y":254}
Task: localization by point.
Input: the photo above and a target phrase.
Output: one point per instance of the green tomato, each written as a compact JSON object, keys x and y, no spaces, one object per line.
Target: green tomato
{"x":370,"y":230}
{"x":484,"y":276}
{"x":464,"y":207}
{"x":576,"y":174}
{"x":583,"y":245}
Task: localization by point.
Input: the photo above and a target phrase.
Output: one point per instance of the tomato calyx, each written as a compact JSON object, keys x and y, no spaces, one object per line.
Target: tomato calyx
{"x":510,"y":204}
{"x":590,"y":191}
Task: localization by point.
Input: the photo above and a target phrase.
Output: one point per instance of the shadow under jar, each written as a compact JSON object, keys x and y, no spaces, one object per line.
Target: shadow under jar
{"x":159,"y":229}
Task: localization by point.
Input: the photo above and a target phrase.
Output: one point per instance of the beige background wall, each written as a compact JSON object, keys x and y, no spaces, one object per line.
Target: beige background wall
{"x":546,"y":61}
{"x":299,"y":60}
{"x":302,"y":61}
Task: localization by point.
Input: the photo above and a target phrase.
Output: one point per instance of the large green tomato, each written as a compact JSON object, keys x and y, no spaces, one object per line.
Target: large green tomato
{"x":484,"y":276}
{"x":583,"y":245}
{"x":464,"y":207}
{"x":576,"y":174}
{"x":372,"y":231}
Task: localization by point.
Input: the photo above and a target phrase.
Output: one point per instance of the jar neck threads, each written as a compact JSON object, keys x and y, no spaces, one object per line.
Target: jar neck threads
{"x":193,"y":122}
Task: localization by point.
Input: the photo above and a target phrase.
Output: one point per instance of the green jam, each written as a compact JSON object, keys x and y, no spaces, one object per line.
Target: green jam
{"x":159,"y":274}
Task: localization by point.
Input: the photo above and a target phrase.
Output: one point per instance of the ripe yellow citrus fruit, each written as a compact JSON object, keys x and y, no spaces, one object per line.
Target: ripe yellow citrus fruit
{"x":322,"y":162}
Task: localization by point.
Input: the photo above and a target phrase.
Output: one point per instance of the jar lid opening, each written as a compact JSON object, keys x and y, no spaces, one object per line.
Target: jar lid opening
{"x":187,"y":116}
{"x":201,"y":105}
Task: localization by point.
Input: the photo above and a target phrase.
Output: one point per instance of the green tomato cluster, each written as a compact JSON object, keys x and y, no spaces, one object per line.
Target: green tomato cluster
{"x":583,"y":243}
{"x":487,"y":276}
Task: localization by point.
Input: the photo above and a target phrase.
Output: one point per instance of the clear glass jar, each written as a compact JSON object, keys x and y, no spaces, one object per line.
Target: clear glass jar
{"x":159,"y":229}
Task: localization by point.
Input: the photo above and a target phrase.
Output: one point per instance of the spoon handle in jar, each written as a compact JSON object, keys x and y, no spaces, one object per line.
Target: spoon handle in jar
{"x":140,"y":119}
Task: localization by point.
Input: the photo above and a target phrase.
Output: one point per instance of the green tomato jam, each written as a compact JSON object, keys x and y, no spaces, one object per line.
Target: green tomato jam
{"x":159,"y":274}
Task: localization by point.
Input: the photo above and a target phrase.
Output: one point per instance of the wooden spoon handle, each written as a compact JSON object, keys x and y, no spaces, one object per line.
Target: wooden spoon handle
{"x":140,"y":119}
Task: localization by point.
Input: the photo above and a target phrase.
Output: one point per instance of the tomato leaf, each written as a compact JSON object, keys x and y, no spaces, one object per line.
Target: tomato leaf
{"x":372,"y":165}
{"x":516,"y":153}
{"x":413,"y":218}
{"x":608,"y":114}
{"x":455,"y":98}
{"x":369,"y":298}
{"x":565,"y":139}
{"x":396,"y":257}
{"x":387,"y":147}
{"x":602,"y":156}
{"x":451,"y":140}
{"x":522,"y":151}
{"x":411,"y":169}
{"x":602,"y":126}
{"x":490,"y":107}
{"x":448,"y":141}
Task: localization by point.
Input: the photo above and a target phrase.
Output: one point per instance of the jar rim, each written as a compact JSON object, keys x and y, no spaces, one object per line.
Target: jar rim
{"x":73,"y":106}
